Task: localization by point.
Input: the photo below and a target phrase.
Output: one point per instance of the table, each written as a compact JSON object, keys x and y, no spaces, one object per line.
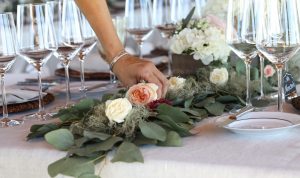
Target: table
{"x":212,"y":153}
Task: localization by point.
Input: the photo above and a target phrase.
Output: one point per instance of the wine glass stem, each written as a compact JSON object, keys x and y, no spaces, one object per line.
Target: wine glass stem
{"x":67,"y":77}
{"x":248,"y":95}
{"x":140,"y":43}
{"x":4,"y":101}
{"x":262,"y":66}
{"x":82,"y":79}
{"x":279,"y":68}
{"x":41,"y":104}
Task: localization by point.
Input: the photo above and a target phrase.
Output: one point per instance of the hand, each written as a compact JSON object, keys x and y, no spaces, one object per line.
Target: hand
{"x":131,"y":70}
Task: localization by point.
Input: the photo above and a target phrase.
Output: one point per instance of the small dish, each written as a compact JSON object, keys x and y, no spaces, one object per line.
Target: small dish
{"x":261,"y":123}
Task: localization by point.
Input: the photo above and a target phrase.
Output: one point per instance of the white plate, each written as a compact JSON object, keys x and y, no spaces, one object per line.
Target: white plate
{"x":261,"y":123}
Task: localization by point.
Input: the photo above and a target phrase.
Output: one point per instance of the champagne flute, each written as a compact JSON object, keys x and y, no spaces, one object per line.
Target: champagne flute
{"x":37,"y":42}
{"x":165,"y":17}
{"x":8,"y":53}
{"x":90,"y":40}
{"x":278,"y":34}
{"x":240,"y":35}
{"x":67,"y":21}
{"x":138,"y":17}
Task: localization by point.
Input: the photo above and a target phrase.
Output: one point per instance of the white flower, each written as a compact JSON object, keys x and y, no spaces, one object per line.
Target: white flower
{"x":117,"y":110}
{"x":176,"y":83}
{"x":219,"y":76}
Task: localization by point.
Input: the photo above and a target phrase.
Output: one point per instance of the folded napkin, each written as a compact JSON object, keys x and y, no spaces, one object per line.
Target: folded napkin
{"x":20,"y":96}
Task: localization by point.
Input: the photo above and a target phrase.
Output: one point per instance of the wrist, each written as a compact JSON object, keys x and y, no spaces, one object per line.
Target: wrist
{"x":116,"y":59}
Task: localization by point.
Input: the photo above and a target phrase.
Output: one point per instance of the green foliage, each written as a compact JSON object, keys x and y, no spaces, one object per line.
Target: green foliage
{"x":61,"y":139}
{"x":153,"y":131}
{"x":128,"y":152}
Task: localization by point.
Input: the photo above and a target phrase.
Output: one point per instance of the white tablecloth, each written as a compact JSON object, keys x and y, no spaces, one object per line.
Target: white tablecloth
{"x":212,"y":153}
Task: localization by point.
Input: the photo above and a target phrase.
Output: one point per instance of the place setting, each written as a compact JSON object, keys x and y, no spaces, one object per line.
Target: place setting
{"x":220,"y":73}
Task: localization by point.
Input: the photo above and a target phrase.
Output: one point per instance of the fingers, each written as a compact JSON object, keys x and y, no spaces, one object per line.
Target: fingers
{"x":153,"y":79}
{"x":164,"y":82}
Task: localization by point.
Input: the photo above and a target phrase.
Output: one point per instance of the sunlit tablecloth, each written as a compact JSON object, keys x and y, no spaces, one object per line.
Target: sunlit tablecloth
{"x":212,"y":153}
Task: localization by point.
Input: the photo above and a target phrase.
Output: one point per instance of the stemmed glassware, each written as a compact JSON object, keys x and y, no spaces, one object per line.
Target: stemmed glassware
{"x":138,"y":15}
{"x":278,"y":34}
{"x":120,"y":26}
{"x":165,"y":17}
{"x":37,"y":42}
{"x":90,"y":40}
{"x":67,"y":21}
{"x":240,"y":34}
{"x":8,"y":53}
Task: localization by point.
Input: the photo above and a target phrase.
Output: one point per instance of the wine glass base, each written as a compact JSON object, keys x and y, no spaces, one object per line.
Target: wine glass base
{"x":4,"y":123}
{"x":39,"y":116}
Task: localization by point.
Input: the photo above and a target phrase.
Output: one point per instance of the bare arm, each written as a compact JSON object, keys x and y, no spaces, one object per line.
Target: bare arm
{"x":97,"y":13}
{"x":129,"y":69}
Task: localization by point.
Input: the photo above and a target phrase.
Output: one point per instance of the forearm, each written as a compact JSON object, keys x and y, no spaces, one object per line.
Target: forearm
{"x":97,"y":13}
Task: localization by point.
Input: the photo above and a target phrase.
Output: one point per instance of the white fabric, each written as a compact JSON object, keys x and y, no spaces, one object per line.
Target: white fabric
{"x":212,"y":153}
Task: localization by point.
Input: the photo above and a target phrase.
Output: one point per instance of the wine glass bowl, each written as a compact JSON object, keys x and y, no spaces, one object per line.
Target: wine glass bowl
{"x":37,"y":42}
{"x":240,"y":34}
{"x":67,"y":21}
{"x":138,"y":16}
{"x":90,"y":40}
{"x":8,"y":53}
{"x":278,"y":34}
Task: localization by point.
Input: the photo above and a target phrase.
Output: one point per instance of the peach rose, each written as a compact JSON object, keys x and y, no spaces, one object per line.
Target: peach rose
{"x":269,"y":71}
{"x":142,"y":93}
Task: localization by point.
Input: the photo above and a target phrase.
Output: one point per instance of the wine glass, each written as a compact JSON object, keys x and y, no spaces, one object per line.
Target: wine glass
{"x":90,"y":40}
{"x":37,"y":42}
{"x":138,"y":16}
{"x":278,"y":34}
{"x":165,"y":17}
{"x":8,"y":53}
{"x":67,"y":21}
{"x":120,"y":26}
{"x":240,"y":35}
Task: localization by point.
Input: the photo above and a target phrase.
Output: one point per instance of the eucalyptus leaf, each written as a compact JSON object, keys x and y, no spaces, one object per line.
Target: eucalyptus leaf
{"x":72,"y":166}
{"x":240,"y":67}
{"x":215,"y":109}
{"x":99,"y":135}
{"x":191,"y":112}
{"x":227,"y":99}
{"x":97,"y":147}
{"x":61,"y":139}
{"x":173,"y":125}
{"x":140,"y":139}
{"x":107,"y":97}
{"x":88,"y":175}
{"x":173,"y":112}
{"x":186,"y":20}
{"x":188,"y":102}
{"x":153,"y":131}
{"x":254,"y":73}
{"x":85,"y":105}
{"x":173,"y":139}
{"x":128,"y":152}
{"x":41,"y":130}
{"x":81,"y":141}
{"x":207,"y":101}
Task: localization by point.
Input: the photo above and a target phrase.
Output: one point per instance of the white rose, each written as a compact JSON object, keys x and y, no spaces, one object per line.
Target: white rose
{"x":219,"y":76}
{"x":176,"y":83}
{"x":116,"y":110}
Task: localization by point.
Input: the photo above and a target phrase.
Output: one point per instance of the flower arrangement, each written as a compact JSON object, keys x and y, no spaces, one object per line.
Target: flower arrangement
{"x":202,"y":39}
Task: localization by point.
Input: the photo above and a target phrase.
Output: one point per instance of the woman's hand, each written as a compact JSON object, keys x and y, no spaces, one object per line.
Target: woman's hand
{"x":131,"y":70}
